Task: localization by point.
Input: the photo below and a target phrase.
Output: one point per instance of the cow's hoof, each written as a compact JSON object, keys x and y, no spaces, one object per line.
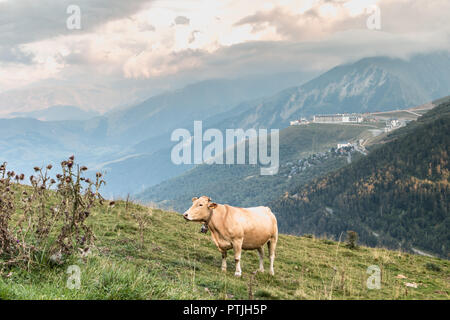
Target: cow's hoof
{"x":271,"y":272}
{"x":260,"y":270}
{"x":224,"y":270}
{"x":237,"y":274}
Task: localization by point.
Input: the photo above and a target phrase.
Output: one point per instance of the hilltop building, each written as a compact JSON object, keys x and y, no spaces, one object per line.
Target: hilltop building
{"x":338,"y":118}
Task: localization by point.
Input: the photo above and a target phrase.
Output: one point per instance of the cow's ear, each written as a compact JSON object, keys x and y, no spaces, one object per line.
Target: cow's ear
{"x":194,"y":199}
{"x":212,"y":205}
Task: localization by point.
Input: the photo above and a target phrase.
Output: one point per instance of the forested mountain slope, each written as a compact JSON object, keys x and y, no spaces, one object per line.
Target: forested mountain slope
{"x":302,"y":158}
{"x":397,"y":196}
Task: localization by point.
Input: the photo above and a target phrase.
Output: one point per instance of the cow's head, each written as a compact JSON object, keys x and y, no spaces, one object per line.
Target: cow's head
{"x":200,"y":210}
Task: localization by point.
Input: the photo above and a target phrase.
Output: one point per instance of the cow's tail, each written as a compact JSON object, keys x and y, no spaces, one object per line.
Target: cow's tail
{"x":272,"y":243}
{"x":275,"y":225}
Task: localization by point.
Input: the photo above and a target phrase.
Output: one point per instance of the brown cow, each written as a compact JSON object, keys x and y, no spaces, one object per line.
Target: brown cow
{"x":237,"y":229}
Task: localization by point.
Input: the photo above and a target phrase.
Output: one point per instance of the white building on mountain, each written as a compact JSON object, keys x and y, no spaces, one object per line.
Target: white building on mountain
{"x":338,"y":118}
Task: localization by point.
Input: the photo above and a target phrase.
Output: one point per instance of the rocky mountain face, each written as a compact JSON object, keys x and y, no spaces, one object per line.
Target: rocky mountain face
{"x":371,"y":84}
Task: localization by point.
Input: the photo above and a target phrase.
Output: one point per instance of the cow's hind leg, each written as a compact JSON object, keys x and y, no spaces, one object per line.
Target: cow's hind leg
{"x":272,"y":244}
{"x":237,"y":248}
{"x":261,"y":259}
{"x":224,"y":260}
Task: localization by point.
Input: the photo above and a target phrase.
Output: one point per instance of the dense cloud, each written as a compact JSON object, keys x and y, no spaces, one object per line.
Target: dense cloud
{"x":342,"y":47}
{"x":130,"y":44}
{"x":330,"y":16}
{"x":23,"y":21}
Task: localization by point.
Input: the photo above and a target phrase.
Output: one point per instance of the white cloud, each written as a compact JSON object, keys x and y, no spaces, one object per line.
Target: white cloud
{"x":141,"y":39}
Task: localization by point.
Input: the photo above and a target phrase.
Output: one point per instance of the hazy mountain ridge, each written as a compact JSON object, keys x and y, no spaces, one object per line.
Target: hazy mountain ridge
{"x":163,"y":113}
{"x":57,"y":113}
{"x":131,"y":136}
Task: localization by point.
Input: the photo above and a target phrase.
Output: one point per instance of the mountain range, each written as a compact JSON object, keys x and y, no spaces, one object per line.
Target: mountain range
{"x":368,"y":85}
{"x":113,"y":142}
{"x":371,"y":84}
{"x":132,"y":144}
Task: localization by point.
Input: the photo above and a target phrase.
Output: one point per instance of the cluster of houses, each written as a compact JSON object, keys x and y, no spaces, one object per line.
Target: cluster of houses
{"x":301,"y":165}
{"x":393,"y":124}
{"x":344,"y":149}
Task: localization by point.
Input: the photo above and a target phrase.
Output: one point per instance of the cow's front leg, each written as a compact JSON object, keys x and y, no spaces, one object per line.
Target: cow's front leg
{"x":237,"y":247}
{"x":224,"y":260}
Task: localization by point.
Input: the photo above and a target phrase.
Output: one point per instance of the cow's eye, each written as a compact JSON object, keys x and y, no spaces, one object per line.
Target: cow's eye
{"x":200,"y":204}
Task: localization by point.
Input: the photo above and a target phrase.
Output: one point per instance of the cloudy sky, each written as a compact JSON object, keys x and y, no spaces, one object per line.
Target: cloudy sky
{"x":125,"y":50}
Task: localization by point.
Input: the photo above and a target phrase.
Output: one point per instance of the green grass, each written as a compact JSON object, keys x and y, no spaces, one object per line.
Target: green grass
{"x":176,"y":261}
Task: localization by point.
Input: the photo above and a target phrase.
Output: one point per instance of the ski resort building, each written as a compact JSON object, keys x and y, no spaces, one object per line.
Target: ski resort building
{"x":338,"y":118}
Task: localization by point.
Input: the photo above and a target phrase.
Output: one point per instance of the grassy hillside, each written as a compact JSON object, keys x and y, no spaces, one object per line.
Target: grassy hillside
{"x":174,"y":261}
{"x":242,"y":185}
{"x":397,"y":196}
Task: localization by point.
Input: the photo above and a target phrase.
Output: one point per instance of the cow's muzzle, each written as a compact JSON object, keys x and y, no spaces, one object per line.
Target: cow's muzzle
{"x":185,"y":216}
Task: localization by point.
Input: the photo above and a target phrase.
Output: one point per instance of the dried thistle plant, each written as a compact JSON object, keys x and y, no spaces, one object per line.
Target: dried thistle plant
{"x":47,"y":220}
